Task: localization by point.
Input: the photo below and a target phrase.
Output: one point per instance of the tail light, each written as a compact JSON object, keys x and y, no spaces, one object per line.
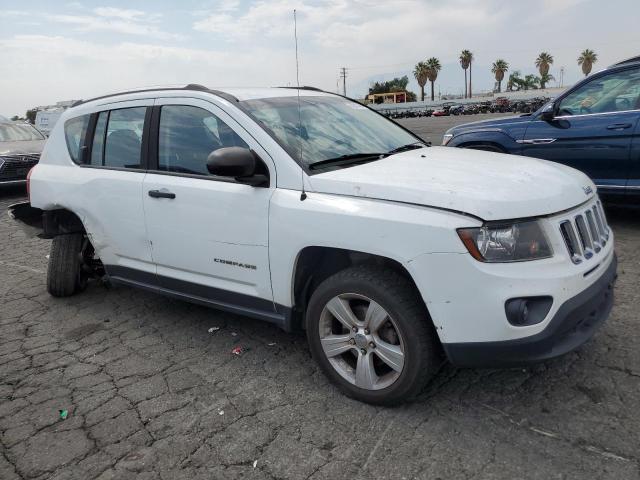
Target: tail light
{"x":29,"y":183}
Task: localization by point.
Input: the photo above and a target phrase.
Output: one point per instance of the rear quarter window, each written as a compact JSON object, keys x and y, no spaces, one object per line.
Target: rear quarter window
{"x":75,"y":131}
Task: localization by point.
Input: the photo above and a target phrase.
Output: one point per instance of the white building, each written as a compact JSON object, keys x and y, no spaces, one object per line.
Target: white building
{"x":48,"y":115}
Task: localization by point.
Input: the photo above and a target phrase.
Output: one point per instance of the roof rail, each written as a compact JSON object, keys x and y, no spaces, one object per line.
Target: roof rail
{"x":628,"y":60}
{"x":191,"y":86}
{"x":305,"y":87}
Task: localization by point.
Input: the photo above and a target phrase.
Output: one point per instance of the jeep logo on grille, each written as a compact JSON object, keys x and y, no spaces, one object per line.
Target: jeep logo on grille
{"x":587,"y":190}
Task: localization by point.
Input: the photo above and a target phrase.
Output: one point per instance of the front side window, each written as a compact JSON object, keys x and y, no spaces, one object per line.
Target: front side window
{"x":326,"y":127}
{"x":74,"y":133}
{"x":18,"y":132}
{"x":117,"y":140}
{"x":187,"y":136}
{"x":616,"y":92}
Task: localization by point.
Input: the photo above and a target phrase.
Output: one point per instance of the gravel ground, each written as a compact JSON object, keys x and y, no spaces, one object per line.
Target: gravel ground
{"x":152,"y":394}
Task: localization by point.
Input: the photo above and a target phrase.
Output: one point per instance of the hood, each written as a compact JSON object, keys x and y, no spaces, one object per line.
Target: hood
{"x":488,"y":185}
{"x":21,"y":147}
{"x":497,"y":123}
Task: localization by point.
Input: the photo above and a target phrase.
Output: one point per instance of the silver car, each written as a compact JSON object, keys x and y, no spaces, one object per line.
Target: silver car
{"x":20,"y":148}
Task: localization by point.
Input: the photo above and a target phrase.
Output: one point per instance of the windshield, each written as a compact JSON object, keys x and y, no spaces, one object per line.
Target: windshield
{"x":332,"y":127}
{"x":16,"y":132}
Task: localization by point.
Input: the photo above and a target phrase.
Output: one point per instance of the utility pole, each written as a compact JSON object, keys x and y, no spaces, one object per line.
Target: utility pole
{"x":343,"y":75}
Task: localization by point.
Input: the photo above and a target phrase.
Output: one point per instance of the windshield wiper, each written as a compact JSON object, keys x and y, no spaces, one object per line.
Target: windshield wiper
{"x":409,"y":146}
{"x":347,"y":159}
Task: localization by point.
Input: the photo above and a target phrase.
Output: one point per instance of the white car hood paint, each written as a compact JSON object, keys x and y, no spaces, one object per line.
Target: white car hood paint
{"x":489,"y":185}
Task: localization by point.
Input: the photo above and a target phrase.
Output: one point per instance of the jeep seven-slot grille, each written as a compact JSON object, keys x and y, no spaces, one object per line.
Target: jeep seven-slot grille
{"x":16,"y":167}
{"x":586,"y":233}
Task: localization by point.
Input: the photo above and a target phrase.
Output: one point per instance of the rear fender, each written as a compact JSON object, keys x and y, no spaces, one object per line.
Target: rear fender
{"x":36,"y":222}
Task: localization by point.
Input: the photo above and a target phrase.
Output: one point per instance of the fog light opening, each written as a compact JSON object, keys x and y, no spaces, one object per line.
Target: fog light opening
{"x":525,"y":311}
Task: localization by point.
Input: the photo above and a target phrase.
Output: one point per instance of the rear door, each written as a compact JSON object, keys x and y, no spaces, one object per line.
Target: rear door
{"x":109,"y":198}
{"x":592,"y":129}
{"x":209,"y":234}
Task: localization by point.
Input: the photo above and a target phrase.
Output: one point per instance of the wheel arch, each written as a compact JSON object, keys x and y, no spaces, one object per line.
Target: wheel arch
{"x":314,"y":264}
{"x":492,"y":140}
{"x":45,"y":223}
{"x":61,"y":221}
{"x":486,"y":146}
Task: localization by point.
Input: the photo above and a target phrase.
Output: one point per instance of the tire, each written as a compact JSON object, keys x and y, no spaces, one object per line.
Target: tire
{"x":64,"y":273}
{"x":407,"y":317}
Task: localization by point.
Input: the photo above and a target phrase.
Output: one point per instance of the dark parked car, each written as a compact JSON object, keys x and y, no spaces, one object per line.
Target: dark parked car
{"x":20,"y":148}
{"x":594,"y":127}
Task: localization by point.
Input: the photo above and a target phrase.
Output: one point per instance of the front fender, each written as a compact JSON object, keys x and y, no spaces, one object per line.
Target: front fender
{"x":398,"y":232}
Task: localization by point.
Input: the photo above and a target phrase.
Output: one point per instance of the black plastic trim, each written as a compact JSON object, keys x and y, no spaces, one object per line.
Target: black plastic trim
{"x":144,"y":148}
{"x":575,"y":323}
{"x":255,"y":307}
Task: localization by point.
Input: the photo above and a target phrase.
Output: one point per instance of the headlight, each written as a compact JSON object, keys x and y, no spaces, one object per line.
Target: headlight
{"x":514,"y":242}
{"x":446,"y":138}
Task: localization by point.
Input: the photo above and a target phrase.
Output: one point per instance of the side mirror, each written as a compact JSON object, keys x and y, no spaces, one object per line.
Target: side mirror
{"x":548,"y":112}
{"x":237,"y":162}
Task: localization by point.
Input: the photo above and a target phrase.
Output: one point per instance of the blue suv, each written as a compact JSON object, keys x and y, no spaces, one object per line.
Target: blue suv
{"x":593,"y":127}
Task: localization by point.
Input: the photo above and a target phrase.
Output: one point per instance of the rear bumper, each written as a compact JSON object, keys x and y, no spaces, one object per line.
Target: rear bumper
{"x":574,"y":323}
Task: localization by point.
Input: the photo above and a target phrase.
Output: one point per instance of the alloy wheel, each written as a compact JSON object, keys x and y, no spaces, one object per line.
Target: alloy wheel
{"x":361,"y":341}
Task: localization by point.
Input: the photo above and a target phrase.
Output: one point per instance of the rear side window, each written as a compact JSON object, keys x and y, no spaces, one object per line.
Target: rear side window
{"x":75,"y":132}
{"x":188,"y":135}
{"x":117,"y":140}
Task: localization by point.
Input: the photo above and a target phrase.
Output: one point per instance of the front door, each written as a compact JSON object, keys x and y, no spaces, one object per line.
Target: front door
{"x":592,"y":130}
{"x":208,"y":234}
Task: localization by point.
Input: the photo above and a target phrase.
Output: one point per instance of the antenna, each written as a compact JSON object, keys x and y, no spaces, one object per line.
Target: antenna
{"x":303,"y":195}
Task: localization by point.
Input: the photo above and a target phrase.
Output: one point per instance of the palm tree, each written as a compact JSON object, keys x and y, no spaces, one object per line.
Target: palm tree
{"x":530,"y":81}
{"x":465,"y":62}
{"x":543,"y":62}
{"x":514,"y":80}
{"x":499,"y":68}
{"x":546,"y":78}
{"x":433,"y":67}
{"x":586,"y":60}
{"x":421,"y":74}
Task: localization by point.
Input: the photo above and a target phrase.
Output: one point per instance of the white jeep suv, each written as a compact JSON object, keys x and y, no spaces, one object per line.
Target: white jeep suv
{"x":309,"y":210}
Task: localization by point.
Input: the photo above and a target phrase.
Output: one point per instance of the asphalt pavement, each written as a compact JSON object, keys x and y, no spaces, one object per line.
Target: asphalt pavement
{"x":432,"y":128}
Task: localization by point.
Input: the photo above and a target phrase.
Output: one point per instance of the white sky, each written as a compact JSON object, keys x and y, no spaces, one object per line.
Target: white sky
{"x":51,"y":51}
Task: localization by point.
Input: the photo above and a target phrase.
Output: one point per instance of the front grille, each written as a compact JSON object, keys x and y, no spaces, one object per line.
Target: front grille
{"x":16,"y":167}
{"x":586,"y":233}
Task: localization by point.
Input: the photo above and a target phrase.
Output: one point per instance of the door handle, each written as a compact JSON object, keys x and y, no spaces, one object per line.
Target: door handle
{"x":619,"y":126}
{"x":161,"y":194}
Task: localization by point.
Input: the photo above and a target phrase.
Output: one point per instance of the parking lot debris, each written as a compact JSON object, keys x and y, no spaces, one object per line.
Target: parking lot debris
{"x":63,"y":414}
{"x":233,"y":334}
{"x":271,"y":344}
{"x":213,"y":329}
{"x":237,"y":350}
{"x":221,"y":412}
{"x":255,"y":463}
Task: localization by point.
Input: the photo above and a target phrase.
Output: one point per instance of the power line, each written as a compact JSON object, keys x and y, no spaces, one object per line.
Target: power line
{"x":343,"y":75}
